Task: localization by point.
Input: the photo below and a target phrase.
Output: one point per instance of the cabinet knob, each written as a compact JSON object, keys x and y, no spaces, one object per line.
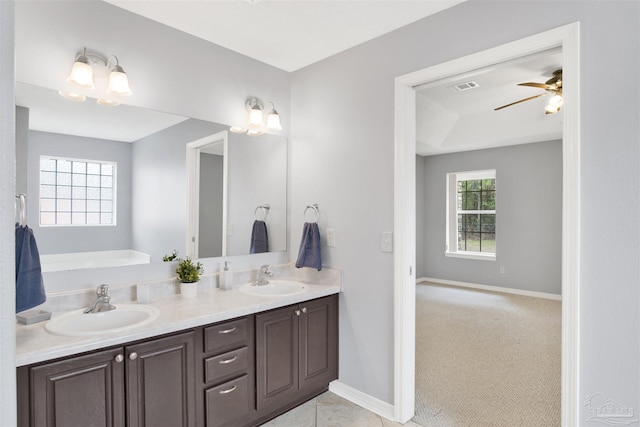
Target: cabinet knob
{"x":133,"y":356}
{"x":119,"y":358}
{"x":298,"y":312}
{"x":304,"y":309}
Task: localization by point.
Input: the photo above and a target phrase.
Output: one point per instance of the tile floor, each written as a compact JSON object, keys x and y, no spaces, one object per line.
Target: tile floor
{"x":330,"y":410}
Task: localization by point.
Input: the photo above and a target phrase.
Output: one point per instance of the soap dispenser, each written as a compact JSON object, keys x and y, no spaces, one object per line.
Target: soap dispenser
{"x":226,"y":277}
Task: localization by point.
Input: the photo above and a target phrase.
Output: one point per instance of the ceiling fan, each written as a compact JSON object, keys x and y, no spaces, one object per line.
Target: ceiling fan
{"x":552,"y":86}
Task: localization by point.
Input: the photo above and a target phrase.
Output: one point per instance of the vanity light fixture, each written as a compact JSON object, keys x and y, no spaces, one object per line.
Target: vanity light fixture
{"x":83,"y":69}
{"x":256,"y":120}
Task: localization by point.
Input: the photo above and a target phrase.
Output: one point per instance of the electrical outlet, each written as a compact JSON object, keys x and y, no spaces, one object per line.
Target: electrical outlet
{"x":502,"y":270}
{"x":386,"y":241}
{"x":331,"y":237}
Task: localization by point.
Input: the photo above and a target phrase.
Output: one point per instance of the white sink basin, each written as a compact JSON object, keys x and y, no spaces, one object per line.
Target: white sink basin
{"x":275,"y":288}
{"x":78,"y":323}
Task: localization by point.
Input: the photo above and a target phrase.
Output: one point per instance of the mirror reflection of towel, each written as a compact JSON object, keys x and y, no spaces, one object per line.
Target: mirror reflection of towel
{"x":309,"y":254}
{"x":259,"y":238}
{"x":29,"y":285}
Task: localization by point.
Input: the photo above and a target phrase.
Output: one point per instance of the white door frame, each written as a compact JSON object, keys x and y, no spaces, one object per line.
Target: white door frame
{"x":567,"y":37}
{"x":193,"y":184}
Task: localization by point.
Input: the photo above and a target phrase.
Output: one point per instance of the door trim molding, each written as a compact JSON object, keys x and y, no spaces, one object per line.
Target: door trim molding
{"x":567,"y":37}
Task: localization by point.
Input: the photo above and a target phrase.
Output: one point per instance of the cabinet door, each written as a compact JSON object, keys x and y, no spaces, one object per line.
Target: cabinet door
{"x":276,"y":357}
{"x":318,"y":342}
{"x":161,"y":382}
{"x":81,"y":391}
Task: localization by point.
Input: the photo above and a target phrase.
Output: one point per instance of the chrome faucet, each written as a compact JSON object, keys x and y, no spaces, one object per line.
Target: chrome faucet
{"x":102,"y":303}
{"x":263,"y":275}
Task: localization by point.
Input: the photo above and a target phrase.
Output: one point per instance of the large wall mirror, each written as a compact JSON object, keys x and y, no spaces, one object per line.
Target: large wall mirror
{"x":148,"y":191}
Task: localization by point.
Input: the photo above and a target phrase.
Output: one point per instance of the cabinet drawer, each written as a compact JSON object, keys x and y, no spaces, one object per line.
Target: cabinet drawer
{"x":227,"y":403}
{"x":225,"y":365}
{"x":226,"y":335}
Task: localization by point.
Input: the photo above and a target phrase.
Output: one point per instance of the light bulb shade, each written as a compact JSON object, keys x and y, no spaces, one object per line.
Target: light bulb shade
{"x":118,"y":83}
{"x":273,"y":120}
{"x":72,"y":96}
{"x":255,"y":116}
{"x":81,"y":74}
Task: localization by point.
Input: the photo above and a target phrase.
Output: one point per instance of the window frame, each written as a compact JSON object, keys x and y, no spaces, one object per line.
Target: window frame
{"x":113,"y":188}
{"x":451,"y":239}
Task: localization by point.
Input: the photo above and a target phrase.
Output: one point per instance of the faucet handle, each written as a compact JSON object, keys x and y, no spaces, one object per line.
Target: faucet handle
{"x":265,"y":268}
{"x":103,"y":290}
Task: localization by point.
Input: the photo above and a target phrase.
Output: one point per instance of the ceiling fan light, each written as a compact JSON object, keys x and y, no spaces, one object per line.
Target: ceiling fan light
{"x":81,"y":74}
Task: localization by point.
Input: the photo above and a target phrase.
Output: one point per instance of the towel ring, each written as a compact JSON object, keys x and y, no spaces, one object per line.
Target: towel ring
{"x":264,"y":209}
{"x":21,"y":208}
{"x":315,"y":209}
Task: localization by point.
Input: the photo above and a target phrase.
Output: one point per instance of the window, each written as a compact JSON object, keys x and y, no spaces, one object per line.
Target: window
{"x":471,"y":214}
{"x":77,"y":192}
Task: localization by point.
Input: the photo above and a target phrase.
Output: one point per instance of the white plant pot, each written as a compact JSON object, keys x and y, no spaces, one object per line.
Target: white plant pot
{"x":189,"y":290}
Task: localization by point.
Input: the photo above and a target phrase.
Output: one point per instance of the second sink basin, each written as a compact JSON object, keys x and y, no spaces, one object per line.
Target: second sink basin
{"x":78,"y":323}
{"x":275,"y":288}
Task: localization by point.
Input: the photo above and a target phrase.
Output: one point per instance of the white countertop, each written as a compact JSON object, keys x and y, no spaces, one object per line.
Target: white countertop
{"x":34,"y":344}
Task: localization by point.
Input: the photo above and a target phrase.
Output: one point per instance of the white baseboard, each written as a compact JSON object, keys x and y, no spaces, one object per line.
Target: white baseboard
{"x":535,"y":294}
{"x":369,"y":403}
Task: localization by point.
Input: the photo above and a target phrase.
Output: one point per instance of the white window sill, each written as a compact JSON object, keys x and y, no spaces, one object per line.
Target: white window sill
{"x":471,"y":255}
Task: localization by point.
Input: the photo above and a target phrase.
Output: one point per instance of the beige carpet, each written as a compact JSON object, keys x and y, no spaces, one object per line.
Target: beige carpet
{"x":486,"y":359}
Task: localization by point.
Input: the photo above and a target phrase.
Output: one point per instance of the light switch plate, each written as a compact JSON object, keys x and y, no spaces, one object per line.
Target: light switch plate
{"x":229,"y":229}
{"x":386,"y":241}
{"x":331,"y":237}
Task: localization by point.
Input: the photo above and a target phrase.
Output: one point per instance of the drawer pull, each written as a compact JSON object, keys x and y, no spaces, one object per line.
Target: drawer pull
{"x":229,"y":390}
{"x":232,"y":359}
{"x":227,"y":331}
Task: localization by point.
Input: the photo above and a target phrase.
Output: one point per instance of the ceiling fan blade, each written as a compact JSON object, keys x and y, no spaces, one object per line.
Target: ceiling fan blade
{"x":540,"y":85}
{"x":518,"y":102}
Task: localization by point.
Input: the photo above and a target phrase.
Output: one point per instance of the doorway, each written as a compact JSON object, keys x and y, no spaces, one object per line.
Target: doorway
{"x":566,"y":37}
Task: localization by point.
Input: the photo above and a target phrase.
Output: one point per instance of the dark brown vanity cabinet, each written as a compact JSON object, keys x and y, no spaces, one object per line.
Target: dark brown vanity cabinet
{"x":296,"y":352}
{"x":146,"y":384}
{"x":240,"y":372}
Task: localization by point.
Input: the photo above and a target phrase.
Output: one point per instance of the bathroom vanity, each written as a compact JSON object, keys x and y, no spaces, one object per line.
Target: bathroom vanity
{"x":241,"y":366}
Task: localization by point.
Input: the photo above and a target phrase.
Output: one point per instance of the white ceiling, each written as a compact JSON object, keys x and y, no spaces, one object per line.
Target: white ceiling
{"x":449,"y":121}
{"x":288,"y":34}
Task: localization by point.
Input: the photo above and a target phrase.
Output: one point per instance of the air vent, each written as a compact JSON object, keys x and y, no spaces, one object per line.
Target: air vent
{"x":464,"y":86}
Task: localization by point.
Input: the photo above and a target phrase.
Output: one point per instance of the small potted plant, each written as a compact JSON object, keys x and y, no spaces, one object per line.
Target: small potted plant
{"x":189,"y":275}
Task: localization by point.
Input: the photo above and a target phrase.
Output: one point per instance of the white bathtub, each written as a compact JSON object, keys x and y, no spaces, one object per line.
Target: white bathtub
{"x":74,"y":261}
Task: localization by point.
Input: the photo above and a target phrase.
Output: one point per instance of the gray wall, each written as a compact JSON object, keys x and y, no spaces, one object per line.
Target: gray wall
{"x":342,"y":158}
{"x":211,"y":191}
{"x":55,"y":240}
{"x":160,"y":193}
{"x":421,"y":224}
{"x":528,"y":217}
{"x":257,"y":176}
